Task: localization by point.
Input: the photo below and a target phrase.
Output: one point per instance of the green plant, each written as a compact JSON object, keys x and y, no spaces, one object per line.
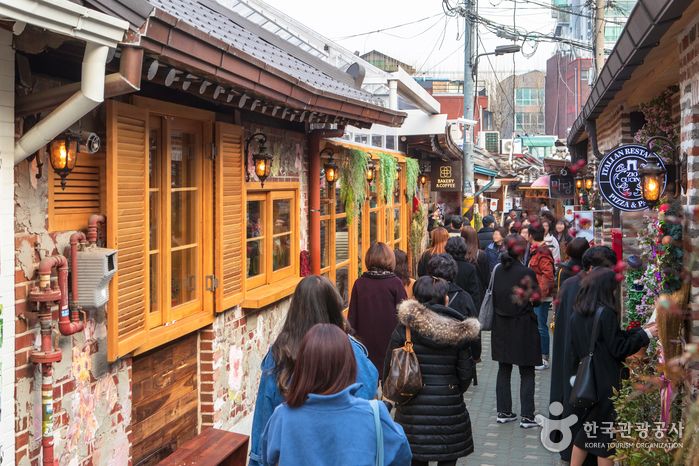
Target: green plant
{"x":412,"y":172}
{"x":418,"y":227}
{"x":353,"y":186}
{"x":388,"y":167}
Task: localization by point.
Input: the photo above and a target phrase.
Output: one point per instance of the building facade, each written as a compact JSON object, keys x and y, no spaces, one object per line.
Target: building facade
{"x":567,"y":90}
{"x":526,"y":93}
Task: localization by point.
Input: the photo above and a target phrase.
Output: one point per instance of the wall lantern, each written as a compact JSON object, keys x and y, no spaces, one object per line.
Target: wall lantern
{"x":330,"y":167}
{"x":589,"y":182}
{"x":579,"y":181}
{"x":261,"y":159}
{"x":63,"y":153}
{"x":370,"y":171}
{"x":422,"y":179}
{"x":679,"y":168}
{"x":652,"y":175}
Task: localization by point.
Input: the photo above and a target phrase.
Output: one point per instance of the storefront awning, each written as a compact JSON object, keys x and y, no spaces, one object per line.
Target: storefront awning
{"x":540,"y":183}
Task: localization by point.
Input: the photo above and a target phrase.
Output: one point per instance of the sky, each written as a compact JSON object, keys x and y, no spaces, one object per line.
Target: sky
{"x":430,"y":45}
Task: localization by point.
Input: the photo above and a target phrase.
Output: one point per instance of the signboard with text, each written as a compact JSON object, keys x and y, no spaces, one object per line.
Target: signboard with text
{"x":446,"y":176}
{"x":619,"y":180}
{"x":561,"y":186}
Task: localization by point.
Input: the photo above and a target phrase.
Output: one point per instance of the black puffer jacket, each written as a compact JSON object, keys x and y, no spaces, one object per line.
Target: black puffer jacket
{"x":485,"y":237}
{"x":436,"y":421}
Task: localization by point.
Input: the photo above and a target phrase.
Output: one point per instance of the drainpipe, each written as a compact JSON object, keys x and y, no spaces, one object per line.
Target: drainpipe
{"x":314,"y":201}
{"x":591,"y":129}
{"x":90,"y":95}
{"x":393,"y":94}
{"x":485,"y":188}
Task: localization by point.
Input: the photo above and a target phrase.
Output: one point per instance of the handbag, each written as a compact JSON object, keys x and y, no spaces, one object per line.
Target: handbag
{"x":379,"y":432}
{"x":584,"y":391}
{"x":485,"y":315}
{"x":404,"y":379}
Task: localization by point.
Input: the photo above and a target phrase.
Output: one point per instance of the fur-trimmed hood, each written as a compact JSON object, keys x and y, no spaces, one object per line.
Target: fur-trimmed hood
{"x":435,"y":326}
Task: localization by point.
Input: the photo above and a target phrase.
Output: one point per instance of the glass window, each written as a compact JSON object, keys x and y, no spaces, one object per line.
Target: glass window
{"x":377,"y":140}
{"x":255,"y":237}
{"x":529,"y":96}
{"x":361,"y":138}
{"x":391,"y":142}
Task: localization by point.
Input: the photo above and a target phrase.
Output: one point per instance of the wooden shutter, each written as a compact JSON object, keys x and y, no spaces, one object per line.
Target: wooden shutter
{"x":127,"y":226}
{"x":230,"y":222}
{"x":84,"y":195}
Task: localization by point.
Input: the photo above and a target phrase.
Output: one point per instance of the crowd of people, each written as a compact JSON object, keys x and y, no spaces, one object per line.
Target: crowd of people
{"x":323,"y":374}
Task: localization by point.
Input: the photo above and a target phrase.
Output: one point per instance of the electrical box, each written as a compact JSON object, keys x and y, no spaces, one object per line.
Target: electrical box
{"x":96,"y":267}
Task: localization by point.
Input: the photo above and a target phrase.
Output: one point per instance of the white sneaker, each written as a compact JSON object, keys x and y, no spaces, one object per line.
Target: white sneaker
{"x":543,"y":366}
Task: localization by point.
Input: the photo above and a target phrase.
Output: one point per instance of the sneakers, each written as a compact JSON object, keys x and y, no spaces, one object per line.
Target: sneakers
{"x":544,"y":365}
{"x":506,"y":417}
{"x":527,"y":423}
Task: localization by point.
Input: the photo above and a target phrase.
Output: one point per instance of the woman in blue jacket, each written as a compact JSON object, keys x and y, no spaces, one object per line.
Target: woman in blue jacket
{"x":323,"y":422}
{"x":315,"y":301}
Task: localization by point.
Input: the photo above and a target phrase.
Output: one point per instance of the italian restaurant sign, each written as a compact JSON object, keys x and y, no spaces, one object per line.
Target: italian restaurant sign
{"x":619,"y":179}
{"x":446,"y":176}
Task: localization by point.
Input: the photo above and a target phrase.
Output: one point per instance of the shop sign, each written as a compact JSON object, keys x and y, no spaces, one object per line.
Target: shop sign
{"x":619,"y":180}
{"x":536,"y":193}
{"x":561,"y":186}
{"x":446,"y":176}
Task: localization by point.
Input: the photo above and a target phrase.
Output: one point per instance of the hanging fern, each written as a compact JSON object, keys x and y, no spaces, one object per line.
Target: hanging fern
{"x":412,"y":172}
{"x":353,"y":182}
{"x":388,"y":167}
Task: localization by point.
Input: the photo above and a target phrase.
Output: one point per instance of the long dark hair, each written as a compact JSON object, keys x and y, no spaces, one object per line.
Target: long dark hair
{"x":470,"y":235}
{"x":516,"y":247}
{"x":401,"y":269}
{"x":325,"y":364}
{"x":315,"y":301}
{"x":597,"y":288}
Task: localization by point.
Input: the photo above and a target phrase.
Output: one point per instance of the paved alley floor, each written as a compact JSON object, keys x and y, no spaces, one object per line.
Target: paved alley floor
{"x":504,"y":444}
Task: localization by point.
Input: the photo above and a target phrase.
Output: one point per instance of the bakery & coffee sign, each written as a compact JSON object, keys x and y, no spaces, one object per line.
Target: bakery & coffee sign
{"x":619,"y":180}
{"x":446,"y":176}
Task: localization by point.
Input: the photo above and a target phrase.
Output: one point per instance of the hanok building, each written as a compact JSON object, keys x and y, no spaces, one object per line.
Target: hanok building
{"x":182,"y":95}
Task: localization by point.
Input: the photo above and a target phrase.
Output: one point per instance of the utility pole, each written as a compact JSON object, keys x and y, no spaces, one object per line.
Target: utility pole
{"x":599,"y":35}
{"x":468,"y":182}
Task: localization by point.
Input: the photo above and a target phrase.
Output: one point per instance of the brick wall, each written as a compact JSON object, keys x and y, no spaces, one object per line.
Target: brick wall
{"x":7,"y":140}
{"x":689,"y":104}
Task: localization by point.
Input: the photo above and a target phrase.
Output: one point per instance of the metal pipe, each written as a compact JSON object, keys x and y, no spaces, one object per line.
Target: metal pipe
{"x":71,"y":324}
{"x":314,"y":201}
{"x":93,"y":225}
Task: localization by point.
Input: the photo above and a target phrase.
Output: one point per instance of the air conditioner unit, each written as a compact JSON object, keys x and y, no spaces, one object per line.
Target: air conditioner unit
{"x":510,"y":145}
{"x":489,"y":140}
{"x":96,"y":267}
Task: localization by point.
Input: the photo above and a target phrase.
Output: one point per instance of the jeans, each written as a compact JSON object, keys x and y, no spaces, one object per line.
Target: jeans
{"x":440,"y":463}
{"x":503,"y":391}
{"x":542,"y":317}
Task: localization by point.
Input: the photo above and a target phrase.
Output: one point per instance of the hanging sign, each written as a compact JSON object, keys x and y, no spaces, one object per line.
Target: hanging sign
{"x":561,"y":186}
{"x":619,"y":180}
{"x":446,"y":176}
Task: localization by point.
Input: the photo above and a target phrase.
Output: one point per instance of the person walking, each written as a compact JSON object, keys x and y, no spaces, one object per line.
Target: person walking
{"x":444,"y":266}
{"x":475,"y":256}
{"x":485,"y":234}
{"x":323,"y":421}
{"x":436,"y":421}
{"x":597,"y":299}
{"x":439,"y":237}
{"x":515,"y":339}
{"x":542,"y":264}
{"x":375,"y":295}
{"x":314,"y":301}
{"x":496,"y":248}
{"x":466,"y":275}
{"x":524,"y":233}
{"x":563,"y":237}
{"x":574,"y":252}
{"x":548,"y":221}
{"x":402,"y":271}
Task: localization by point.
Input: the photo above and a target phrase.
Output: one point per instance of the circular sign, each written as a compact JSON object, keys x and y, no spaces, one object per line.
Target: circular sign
{"x":619,"y":179}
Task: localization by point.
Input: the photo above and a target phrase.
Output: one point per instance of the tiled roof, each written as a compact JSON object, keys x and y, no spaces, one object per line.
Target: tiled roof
{"x":225,"y":25}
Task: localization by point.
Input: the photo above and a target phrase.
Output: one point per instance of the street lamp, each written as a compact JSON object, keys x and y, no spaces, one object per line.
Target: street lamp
{"x":261,"y":159}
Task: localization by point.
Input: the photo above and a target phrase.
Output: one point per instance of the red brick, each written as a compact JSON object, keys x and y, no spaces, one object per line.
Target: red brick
{"x":206,"y":346}
{"x":21,"y":440}
{"x":68,"y":387}
{"x":25,"y":340}
{"x":24,"y":372}
{"x":206,"y":397}
{"x":21,"y":358}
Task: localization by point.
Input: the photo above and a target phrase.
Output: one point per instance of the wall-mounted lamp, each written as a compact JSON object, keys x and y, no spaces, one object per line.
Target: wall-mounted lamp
{"x":579,"y":181}
{"x":589,"y":182}
{"x":652,"y":177}
{"x":679,"y":168}
{"x":330,"y":167}
{"x":370,"y":170}
{"x":63,"y":153}
{"x":261,"y":159}
{"x":422,"y":179}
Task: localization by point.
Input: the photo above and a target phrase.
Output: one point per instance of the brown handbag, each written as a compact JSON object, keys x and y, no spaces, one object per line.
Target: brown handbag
{"x":404,"y":379}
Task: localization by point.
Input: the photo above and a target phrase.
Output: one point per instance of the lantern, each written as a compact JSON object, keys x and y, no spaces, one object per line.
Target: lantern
{"x":261,"y":159}
{"x":579,"y":182}
{"x":652,"y":176}
{"x":330,"y":167}
{"x":422,"y":179}
{"x":63,"y":155}
{"x":370,"y":171}
{"x":589,"y":183}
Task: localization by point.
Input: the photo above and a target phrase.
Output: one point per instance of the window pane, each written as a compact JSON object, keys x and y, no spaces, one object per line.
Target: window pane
{"x":154,"y":148}
{"x":184,"y":275}
{"x":255,"y":219}
{"x":324,"y":198}
{"x":360,"y":251}
{"x":254,"y":251}
{"x":324,"y":243}
{"x":388,"y":236}
{"x":182,"y":154}
{"x":377,"y":140}
{"x":342,"y":281}
{"x":281,"y":213}
{"x":154,"y":219}
{"x":341,"y":240}
{"x":373,"y":225}
{"x":184,"y":218}
{"x":396,"y":223}
{"x":281,"y":254}
{"x":154,"y":276}
{"x":390,"y":142}
{"x":373,"y":196}
{"x":339,"y":205}
{"x":396,"y":192}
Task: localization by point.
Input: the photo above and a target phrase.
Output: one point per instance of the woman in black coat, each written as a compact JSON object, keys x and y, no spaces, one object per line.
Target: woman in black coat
{"x":612,"y":347}
{"x":372,"y":307}
{"x":466,"y":276}
{"x":476,"y":257}
{"x":436,"y":421}
{"x":515,"y":336}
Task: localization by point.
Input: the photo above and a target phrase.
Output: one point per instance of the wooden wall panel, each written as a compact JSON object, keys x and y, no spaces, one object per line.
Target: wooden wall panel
{"x":165,"y":400}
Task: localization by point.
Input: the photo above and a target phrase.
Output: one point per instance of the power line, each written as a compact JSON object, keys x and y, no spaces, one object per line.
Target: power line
{"x":390,"y":27}
{"x":497,"y":80}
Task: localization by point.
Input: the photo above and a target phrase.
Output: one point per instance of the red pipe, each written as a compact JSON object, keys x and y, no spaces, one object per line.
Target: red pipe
{"x":93,"y":224}
{"x":69,"y":326}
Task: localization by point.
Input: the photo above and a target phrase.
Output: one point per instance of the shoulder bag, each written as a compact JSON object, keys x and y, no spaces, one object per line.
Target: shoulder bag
{"x":584,"y":392}
{"x":404,"y":379}
{"x":379,"y":432}
{"x":485,"y":316}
